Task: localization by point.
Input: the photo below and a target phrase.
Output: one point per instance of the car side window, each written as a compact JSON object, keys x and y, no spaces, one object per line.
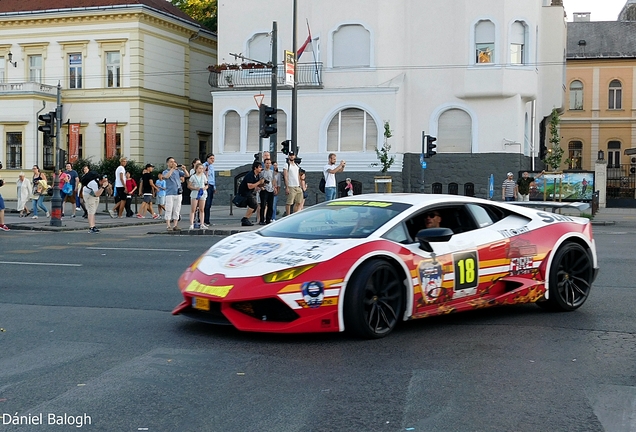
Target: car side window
{"x":398,"y":234}
{"x":480,"y":214}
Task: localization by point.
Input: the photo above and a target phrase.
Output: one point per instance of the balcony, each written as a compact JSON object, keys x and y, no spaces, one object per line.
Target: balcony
{"x":309,"y":75}
{"x":31,"y":88}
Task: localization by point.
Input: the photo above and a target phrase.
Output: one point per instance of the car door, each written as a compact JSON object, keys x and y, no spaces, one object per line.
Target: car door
{"x":461,"y":268}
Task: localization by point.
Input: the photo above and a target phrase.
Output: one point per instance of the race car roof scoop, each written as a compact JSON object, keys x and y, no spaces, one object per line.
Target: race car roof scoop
{"x":433,"y":235}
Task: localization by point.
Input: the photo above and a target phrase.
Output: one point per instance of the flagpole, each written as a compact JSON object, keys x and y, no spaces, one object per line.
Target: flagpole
{"x":294,"y":94}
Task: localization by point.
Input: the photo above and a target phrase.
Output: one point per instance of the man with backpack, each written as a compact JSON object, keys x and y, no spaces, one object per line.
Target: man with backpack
{"x":329,"y":174}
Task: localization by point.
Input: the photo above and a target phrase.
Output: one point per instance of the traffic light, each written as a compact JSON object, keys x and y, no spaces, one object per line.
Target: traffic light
{"x":430,"y":146}
{"x":285,"y":146}
{"x":49,"y":123}
{"x":267,"y":121}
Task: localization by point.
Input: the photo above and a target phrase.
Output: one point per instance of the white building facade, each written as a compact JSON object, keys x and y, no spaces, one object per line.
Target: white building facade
{"x":139,"y":67}
{"x":479,"y":76}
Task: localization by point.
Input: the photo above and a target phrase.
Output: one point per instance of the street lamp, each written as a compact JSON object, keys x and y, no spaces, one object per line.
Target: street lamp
{"x":10,"y":56}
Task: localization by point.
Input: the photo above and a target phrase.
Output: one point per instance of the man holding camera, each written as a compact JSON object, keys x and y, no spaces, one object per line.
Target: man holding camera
{"x":329,"y":171}
{"x":3,"y":227}
{"x":267,"y":192}
{"x":247,"y":188}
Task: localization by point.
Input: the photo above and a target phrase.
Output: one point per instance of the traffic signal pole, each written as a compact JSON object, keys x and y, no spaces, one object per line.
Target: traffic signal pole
{"x":274,"y":92}
{"x":294,"y":92}
{"x":56,"y":200}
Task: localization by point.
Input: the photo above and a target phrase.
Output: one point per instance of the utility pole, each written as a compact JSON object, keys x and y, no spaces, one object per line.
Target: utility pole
{"x":56,"y":200}
{"x":294,"y":92}
{"x":274,"y":95}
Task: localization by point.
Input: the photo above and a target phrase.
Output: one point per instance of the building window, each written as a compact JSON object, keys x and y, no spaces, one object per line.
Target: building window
{"x":518,"y":37}
{"x":454,"y":132}
{"x":614,"y":154}
{"x":35,"y":68}
{"x":75,"y":71}
{"x":117,"y":146}
{"x":615,"y":95}
{"x":232,"y":129}
{"x":575,"y":154}
{"x":352,"y":129}
{"x":113,"y":69}
{"x":14,"y":150}
{"x":260,"y":48}
{"x":352,"y":46}
{"x":2,"y":63}
{"x":484,"y":42}
{"x":576,"y":95}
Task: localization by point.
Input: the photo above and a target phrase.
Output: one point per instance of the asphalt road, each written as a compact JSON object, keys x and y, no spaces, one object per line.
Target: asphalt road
{"x":86,"y":332}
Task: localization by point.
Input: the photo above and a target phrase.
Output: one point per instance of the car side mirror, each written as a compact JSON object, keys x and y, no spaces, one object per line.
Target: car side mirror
{"x":432,"y":235}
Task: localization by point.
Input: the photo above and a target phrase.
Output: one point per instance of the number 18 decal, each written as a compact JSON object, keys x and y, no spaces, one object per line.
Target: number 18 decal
{"x":466,"y":267}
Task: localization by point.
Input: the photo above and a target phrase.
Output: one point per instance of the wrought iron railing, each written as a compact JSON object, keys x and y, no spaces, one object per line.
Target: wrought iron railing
{"x":308,"y":75}
{"x":621,"y":181}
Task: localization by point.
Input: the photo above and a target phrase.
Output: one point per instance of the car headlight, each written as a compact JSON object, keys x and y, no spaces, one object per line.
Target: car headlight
{"x":287,"y":274}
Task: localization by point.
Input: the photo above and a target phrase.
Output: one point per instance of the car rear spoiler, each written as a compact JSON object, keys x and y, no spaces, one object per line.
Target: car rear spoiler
{"x":553,"y":205}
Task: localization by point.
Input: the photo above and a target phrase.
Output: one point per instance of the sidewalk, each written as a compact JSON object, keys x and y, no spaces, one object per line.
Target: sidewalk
{"x":223,"y":223}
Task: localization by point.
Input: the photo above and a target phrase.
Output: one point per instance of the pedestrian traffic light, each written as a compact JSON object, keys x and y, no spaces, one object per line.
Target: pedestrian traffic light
{"x":267,"y":121}
{"x":430,"y":146}
{"x":49,"y":123}
{"x":285,"y":147}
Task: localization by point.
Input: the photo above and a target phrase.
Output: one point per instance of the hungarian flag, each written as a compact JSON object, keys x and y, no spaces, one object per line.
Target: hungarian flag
{"x":301,"y":50}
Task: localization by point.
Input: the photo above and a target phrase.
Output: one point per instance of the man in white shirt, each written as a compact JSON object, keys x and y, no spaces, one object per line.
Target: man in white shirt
{"x":120,"y":189}
{"x":291,"y":173}
{"x":329,"y":171}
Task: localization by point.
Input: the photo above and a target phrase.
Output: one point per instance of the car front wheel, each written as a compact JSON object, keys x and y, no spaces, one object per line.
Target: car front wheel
{"x":570,"y":278}
{"x":374,"y":300}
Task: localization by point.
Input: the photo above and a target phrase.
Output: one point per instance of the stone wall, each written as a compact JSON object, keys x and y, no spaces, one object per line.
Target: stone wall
{"x":442,"y":168}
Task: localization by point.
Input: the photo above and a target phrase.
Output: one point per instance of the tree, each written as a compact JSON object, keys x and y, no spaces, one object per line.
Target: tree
{"x":554,"y":157}
{"x":204,"y":11}
{"x":386,"y":160}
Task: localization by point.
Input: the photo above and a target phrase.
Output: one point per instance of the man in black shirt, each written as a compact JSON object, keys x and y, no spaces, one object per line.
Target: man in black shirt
{"x":247,"y":189}
{"x":146,"y":189}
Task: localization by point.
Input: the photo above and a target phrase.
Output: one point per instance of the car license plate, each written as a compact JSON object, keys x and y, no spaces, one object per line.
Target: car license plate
{"x":201,"y":303}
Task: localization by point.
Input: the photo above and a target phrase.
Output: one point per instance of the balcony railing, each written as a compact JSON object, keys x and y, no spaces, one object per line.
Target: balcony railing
{"x":308,"y":75}
{"x":27,"y":87}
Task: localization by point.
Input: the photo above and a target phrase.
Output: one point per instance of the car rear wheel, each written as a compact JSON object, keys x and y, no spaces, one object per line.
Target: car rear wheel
{"x":374,"y":301}
{"x":570,"y":280}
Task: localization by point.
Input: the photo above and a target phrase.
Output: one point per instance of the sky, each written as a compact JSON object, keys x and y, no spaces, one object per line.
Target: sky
{"x":602,"y":10}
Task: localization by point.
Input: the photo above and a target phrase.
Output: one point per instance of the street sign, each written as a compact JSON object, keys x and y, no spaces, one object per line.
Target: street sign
{"x":491,"y":186}
{"x":422,"y":161}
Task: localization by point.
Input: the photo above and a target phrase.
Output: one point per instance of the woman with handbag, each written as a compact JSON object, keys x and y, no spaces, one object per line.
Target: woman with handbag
{"x":40,"y":188}
{"x":198,"y":185}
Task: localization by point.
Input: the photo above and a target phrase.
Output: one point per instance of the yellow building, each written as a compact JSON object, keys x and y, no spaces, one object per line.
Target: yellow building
{"x":131,"y":76}
{"x":598,"y":119}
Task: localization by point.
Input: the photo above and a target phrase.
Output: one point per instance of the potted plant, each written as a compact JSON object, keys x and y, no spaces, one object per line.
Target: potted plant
{"x":385,"y":159}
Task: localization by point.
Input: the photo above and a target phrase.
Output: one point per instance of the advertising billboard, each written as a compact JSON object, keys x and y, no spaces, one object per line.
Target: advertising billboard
{"x":567,"y":186}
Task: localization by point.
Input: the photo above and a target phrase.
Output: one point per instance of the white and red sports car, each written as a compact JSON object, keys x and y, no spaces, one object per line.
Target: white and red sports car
{"x":365,"y":263}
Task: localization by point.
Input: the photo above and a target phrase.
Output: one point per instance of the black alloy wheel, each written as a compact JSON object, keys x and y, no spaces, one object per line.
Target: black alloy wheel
{"x":374,"y":300}
{"x":570,"y":278}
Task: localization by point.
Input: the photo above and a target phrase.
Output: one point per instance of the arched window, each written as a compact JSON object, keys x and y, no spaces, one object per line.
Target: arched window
{"x":260,"y":47}
{"x":615,"y":95}
{"x":614,"y":154}
{"x":575,"y":154}
{"x":518,"y":43}
{"x":351,"y":46}
{"x":484,"y":42}
{"x":352,"y":129}
{"x":232,"y":129}
{"x":454,"y":132}
{"x":576,"y":95}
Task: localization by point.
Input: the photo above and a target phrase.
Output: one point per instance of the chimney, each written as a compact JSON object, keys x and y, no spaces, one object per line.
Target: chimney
{"x":581,"y":16}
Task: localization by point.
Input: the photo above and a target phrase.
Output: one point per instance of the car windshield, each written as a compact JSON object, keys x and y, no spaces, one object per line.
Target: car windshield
{"x":336,"y":219}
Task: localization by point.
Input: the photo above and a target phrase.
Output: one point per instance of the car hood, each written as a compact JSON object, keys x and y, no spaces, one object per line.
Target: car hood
{"x":250,"y":254}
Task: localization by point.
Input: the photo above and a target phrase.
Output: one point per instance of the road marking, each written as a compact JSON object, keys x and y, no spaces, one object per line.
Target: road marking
{"x":41,"y":264}
{"x":139,"y":249}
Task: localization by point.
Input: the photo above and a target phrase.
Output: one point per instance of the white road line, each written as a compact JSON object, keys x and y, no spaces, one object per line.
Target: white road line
{"x":40,"y":264}
{"x":139,"y":249}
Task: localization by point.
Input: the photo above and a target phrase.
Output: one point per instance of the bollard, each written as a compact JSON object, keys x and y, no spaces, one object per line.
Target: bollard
{"x":231,"y":198}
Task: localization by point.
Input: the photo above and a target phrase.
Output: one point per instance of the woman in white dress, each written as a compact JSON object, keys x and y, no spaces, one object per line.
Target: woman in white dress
{"x":25,"y":189}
